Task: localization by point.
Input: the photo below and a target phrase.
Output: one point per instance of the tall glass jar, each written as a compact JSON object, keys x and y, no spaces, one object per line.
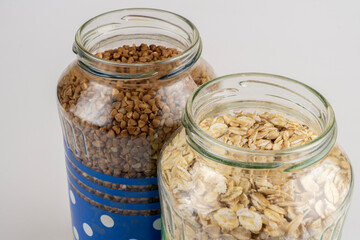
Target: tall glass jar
{"x":213,"y":190}
{"x":116,"y":116}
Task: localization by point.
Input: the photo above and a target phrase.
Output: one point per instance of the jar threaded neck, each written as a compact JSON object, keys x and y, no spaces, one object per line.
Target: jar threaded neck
{"x":260,"y":91}
{"x":136,"y":26}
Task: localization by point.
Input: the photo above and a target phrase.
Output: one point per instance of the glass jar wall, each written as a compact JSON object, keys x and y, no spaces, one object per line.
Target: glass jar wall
{"x":116,"y":115}
{"x":234,"y":187}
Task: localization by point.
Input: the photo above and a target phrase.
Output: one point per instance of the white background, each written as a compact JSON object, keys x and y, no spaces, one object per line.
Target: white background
{"x":317,"y":42}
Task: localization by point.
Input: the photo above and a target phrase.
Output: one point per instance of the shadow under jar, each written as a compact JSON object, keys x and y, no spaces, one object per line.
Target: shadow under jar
{"x":116,"y":115}
{"x":226,"y":176}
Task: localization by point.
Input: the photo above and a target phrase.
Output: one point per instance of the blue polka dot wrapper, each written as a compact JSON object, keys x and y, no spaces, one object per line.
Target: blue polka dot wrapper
{"x":100,"y":218}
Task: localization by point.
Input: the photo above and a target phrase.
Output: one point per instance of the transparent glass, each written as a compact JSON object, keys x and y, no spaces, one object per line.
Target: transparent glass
{"x":116,"y":116}
{"x":212,"y":190}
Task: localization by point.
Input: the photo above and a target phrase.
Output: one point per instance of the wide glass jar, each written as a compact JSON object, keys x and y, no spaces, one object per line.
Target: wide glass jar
{"x":116,"y":115}
{"x":211,"y":189}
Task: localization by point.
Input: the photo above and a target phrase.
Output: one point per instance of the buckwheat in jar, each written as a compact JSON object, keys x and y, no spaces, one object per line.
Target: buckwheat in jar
{"x":256,"y":158}
{"x":119,"y":101}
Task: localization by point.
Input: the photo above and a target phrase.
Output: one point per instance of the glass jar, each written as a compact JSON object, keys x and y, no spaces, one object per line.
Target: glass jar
{"x":213,"y":190}
{"x":116,"y":116}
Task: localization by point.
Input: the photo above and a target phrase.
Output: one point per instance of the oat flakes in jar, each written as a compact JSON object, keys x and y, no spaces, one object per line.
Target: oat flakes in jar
{"x":119,"y":101}
{"x":256,"y":158}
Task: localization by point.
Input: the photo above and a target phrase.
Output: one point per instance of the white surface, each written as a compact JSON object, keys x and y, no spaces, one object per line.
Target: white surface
{"x":317,"y":42}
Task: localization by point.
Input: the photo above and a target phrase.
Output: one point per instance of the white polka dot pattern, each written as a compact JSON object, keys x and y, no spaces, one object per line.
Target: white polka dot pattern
{"x":107,"y":221}
{"x":76,"y":234}
{"x":88,"y":230}
{"x":157,"y":224}
{"x":72,"y":197}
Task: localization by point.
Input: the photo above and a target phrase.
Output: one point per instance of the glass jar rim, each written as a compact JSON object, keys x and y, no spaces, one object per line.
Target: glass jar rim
{"x":189,"y":121}
{"x":78,"y":45}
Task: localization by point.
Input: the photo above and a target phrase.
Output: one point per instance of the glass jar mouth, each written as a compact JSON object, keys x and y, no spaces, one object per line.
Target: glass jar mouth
{"x":140,"y":15}
{"x":324,"y":141}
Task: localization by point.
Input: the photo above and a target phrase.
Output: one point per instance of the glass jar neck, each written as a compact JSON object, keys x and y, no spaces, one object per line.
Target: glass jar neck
{"x":135,"y":26}
{"x":257,"y":92}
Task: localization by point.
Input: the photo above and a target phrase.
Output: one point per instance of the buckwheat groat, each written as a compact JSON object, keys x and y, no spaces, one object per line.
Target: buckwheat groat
{"x":117,"y":127}
{"x":124,"y":123}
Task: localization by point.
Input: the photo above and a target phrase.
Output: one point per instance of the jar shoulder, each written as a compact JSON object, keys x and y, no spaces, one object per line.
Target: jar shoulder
{"x":77,"y":85}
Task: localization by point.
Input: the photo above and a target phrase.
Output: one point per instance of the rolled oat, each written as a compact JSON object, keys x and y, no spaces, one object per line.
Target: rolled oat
{"x":225,"y":202}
